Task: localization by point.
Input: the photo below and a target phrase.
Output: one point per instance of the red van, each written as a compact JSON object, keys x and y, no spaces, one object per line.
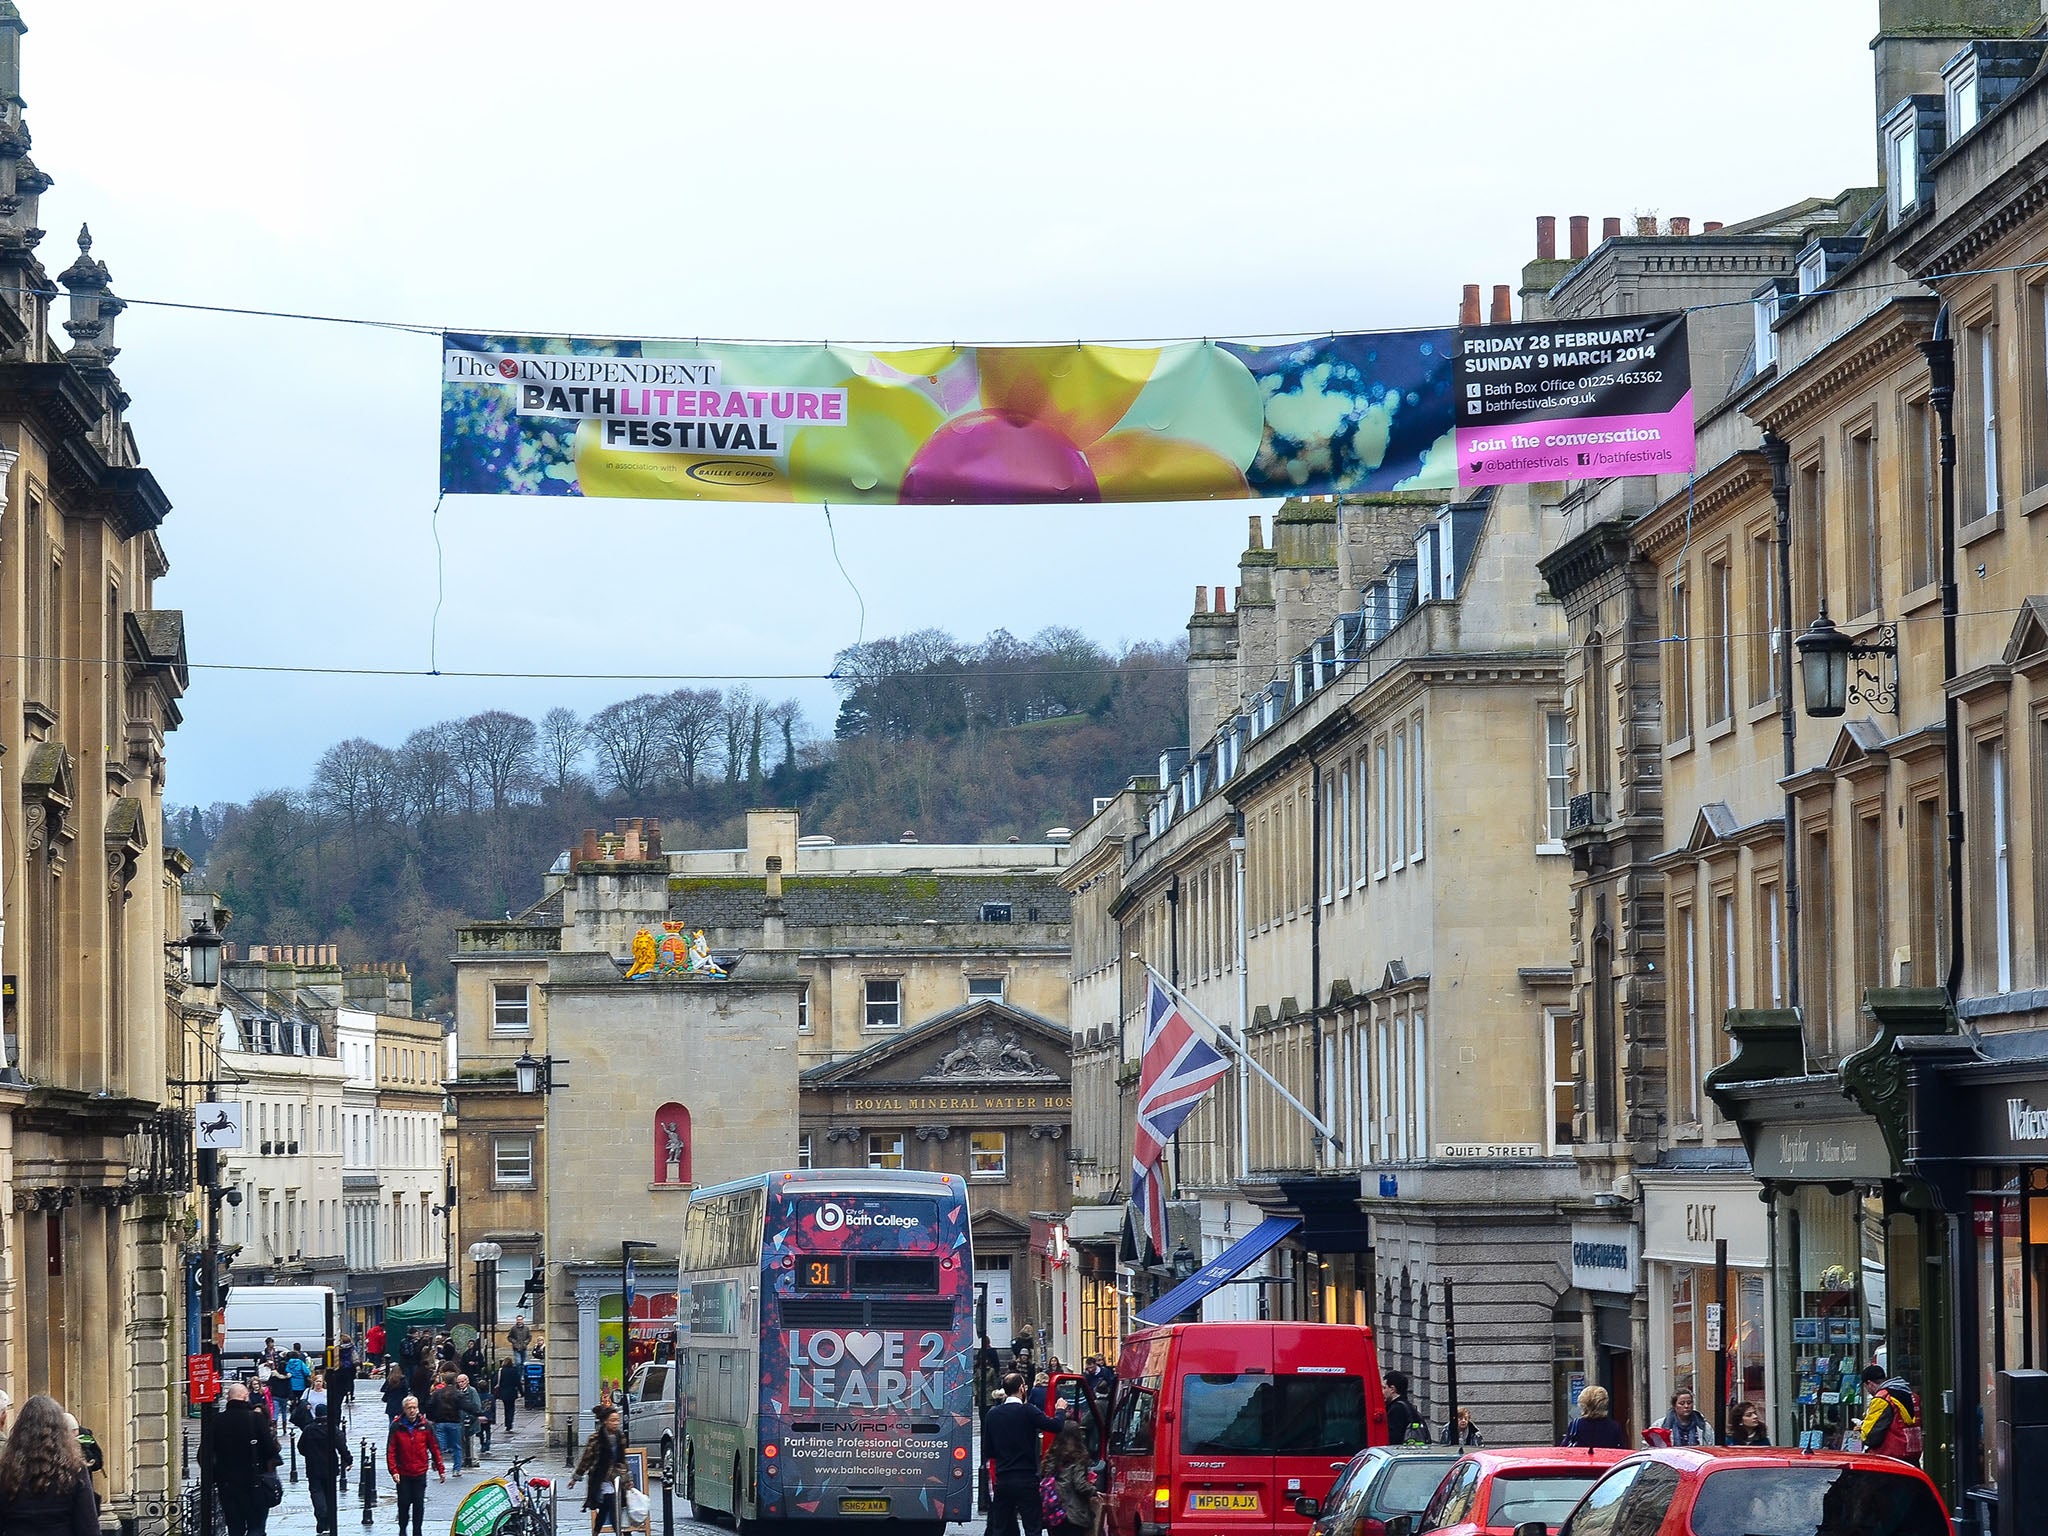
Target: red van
{"x":1217,"y":1428}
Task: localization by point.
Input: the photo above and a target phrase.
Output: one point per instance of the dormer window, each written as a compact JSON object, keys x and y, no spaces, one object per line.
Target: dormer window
{"x":1959,"y":88}
{"x":1813,"y":270}
{"x":1912,"y":133}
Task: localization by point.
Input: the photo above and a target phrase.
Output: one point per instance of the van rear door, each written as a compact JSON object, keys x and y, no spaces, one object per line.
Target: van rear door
{"x":1330,"y":1407}
{"x":1225,"y":1404}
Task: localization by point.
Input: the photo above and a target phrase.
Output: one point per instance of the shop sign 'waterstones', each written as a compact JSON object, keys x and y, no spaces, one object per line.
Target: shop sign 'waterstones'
{"x":2026,"y":1122}
{"x":1581,"y":400}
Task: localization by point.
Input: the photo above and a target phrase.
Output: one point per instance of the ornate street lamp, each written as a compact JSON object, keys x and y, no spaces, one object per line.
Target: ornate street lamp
{"x":202,"y":948}
{"x":1184,"y":1265}
{"x":1825,"y":674}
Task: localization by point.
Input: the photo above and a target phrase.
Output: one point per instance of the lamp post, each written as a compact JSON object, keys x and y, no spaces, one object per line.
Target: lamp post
{"x":202,"y":948}
{"x":536,"y":1075}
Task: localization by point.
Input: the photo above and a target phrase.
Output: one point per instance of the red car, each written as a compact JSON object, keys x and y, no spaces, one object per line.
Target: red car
{"x":1733,"y":1491}
{"x":1495,"y":1493}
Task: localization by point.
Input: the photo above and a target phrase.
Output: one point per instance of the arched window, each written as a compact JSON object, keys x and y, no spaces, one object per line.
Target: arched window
{"x":672,"y":1145}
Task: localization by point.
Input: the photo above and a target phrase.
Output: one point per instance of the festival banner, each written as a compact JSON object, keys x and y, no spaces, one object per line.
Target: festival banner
{"x":1574,"y":400}
{"x":1187,"y":421}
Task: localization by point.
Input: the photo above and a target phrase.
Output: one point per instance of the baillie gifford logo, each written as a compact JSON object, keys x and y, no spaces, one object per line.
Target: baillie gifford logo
{"x":729,"y":472}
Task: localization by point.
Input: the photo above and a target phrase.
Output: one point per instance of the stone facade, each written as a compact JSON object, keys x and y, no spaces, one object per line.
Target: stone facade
{"x":94,"y":1152}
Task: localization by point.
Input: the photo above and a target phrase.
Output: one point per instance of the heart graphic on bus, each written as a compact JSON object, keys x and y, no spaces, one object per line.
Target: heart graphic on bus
{"x":863,"y":1346}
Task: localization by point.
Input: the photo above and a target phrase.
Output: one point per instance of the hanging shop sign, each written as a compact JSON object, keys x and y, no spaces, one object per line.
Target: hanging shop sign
{"x":1574,"y":400}
{"x":1686,"y":1215}
{"x":1821,"y":1151}
{"x":1604,"y":1256}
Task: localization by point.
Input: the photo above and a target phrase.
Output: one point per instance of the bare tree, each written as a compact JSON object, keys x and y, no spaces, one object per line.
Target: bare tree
{"x":788,"y":718}
{"x":627,"y":738}
{"x":498,"y":753}
{"x":352,"y":781}
{"x":563,"y":740}
{"x":692,"y":716}
{"x":428,"y":771}
{"x":736,"y":721}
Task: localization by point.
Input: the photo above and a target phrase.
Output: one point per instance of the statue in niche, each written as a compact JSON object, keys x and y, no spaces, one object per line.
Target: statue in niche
{"x":671,"y":1145}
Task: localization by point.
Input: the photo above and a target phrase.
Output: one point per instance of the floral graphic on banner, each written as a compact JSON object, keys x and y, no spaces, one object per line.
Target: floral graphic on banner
{"x":1086,"y":422}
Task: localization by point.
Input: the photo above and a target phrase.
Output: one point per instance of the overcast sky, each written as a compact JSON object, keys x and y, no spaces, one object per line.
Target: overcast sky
{"x":884,"y":172}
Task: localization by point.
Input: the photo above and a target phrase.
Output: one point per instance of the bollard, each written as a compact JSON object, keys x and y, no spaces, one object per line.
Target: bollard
{"x":2022,"y":1467}
{"x":291,"y":1451}
{"x":668,"y":1506}
{"x":369,"y":1482}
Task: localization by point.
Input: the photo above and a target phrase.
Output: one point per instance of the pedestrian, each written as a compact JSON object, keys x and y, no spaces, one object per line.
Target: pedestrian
{"x":444,"y":1412}
{"x":511,"y":1379}
{"x":409,"y":1450}
{"x":6,"y":1408}
{"x":324,"y":1453}
{"x":1010,"y":1439}
{"x":476,"y":1427}
{"x":1891,"y":1416}
{"x":473,"y":1358}
{"x":1593,"y":1427}
{"x":1100,"y":1376}
{"x":520,"y":1337}
{"x":1461,"y":1431}
{"x":373,"y":1343}
{"x":603,"y":1458}
{"x":1405,"y":1423}
{"x":345,"y":1357}
{"x":315,"y":1395}
{"x":409,"y":1350}
{"x":422,"y":1377}
{"x":45,"y":1489}
{"x":1685,"y":1424}
{"x":1067,"y":1493}
{"x":1746,"y":1425}
{"x":395,"y":1392}
{"x":245,"y":1462}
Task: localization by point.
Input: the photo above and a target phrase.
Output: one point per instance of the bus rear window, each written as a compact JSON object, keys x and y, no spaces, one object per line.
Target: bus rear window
{"x":1257,"y":1414}
{"x":894,"y":1272}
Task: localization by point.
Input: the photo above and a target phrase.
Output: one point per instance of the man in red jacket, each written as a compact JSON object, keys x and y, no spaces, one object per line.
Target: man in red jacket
{"x":408,"y":1452}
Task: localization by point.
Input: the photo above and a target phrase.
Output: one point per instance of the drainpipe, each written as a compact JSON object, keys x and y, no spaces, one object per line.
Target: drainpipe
{"x":1779,"y":452}
{"x":1244,"y":1009}
{"x":1315,"y":948}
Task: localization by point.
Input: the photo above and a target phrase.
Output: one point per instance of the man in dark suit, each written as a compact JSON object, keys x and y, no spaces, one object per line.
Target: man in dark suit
{"x":1010,"y":1437}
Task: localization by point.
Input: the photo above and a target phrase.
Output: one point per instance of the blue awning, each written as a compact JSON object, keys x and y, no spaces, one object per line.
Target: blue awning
{"x":1221,"y":1270}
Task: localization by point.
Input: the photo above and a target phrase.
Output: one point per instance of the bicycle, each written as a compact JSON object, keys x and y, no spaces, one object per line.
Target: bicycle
{"x":532,"y":1512}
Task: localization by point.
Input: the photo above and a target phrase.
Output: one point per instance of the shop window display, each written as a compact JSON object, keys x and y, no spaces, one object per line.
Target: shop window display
{"x":1831,"y":1337}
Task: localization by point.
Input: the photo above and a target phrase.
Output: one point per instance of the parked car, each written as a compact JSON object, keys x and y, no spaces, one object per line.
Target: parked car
{"x":1380,"y":1486}
{"x":1734,"y":1491}
{"x":651,"y":1401}
{"x":1496,"y":1493}
{"x":1227,"y":1424}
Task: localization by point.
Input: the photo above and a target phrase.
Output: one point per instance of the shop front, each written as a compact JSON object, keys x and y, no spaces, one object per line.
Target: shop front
{"x":1693,"y":1223}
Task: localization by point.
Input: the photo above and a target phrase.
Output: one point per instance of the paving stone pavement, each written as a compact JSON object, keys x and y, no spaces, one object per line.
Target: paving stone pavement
{"x":294,"y":1517}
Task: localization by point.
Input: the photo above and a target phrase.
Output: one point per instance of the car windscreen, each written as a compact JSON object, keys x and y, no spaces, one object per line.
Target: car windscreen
{"x":1255,"y":1414}
{"x":1545,"y":1496}
{"x":1815,"y":1500}
{"x":1410,"y":1484}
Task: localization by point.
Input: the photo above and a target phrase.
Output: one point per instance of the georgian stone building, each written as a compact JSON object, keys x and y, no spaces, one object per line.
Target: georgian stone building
{"x":92,"y":1151}
{"x":1356,"y":862}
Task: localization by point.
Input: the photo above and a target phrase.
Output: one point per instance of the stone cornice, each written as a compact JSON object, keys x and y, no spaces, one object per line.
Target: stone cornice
{"x":1736,"y":478}
{"x":1962,"y":238}
{"x":1842,"y":364}
{"x":1608,"y":545}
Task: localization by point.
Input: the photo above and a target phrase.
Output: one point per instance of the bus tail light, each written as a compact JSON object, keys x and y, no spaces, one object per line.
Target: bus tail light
{"x":959,"y":1453}
{"x":768,"y":1450}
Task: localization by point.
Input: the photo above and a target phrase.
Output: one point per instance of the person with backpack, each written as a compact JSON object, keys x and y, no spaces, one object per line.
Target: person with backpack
{"x":324,"y":1453}
{"x":298,"y":1375}
{"x":444,"y":1412}
{"x":1685,"y":1424}
{"x":1891,"y":1416}
{"x":1405,"y":1423}
{"x":1070,"y":1501}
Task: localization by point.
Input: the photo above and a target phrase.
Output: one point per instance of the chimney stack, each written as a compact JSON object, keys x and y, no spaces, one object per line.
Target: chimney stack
{"x":1681,"y":226}
{"x":1201,"y":598}
{"x":1610,"y":229}
{"x":1258,"y":533}
{"x":1712,"y":226}
{"x":1579,"y":245}
{"x":1219,"y":605}
{"x":1646,"y":224}
{"x":1546,"y":237}
{"x":771,"y":904}
{"x":1468,"y":306}
{"x":1503,"y":306}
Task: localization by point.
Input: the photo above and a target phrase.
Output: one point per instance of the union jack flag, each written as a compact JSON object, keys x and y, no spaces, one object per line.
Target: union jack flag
{"x":1177,"y":1066}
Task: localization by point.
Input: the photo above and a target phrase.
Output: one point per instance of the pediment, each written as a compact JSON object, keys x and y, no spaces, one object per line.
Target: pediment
{"x":2027,"y":646}
{"x":989,"y":1222}
{"x":1712,"y":826}
{"x":984,"y":1044}
{"x":1856,"y":745}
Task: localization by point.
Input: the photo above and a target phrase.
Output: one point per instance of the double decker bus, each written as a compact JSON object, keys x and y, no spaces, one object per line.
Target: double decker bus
{"x":824,"y":1349}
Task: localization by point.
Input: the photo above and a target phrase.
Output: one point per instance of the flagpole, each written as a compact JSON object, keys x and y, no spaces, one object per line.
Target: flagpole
{"x":1241,"y":1053}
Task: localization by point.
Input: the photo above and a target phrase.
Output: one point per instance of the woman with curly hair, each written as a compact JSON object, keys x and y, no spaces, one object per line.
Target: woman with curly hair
{"x":44,"y":1487}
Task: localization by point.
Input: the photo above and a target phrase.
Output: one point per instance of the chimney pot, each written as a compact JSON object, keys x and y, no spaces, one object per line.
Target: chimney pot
{"x":1646,"y":224}
{"x":1258,"y":533}
{"x":1711,"y":226}
{"x":1579,"y":245}
{"x":1681,"y":226}
{"x":1219,"y":601}
{"x":1610,"y":229}
{"x":1468,"y":306}
{"x":1546,"y":237}
{"x":1503,"y":306}
{"x":1201,"y":598}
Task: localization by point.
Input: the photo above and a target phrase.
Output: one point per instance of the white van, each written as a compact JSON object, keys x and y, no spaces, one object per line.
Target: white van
{"x":290,"y":1314}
